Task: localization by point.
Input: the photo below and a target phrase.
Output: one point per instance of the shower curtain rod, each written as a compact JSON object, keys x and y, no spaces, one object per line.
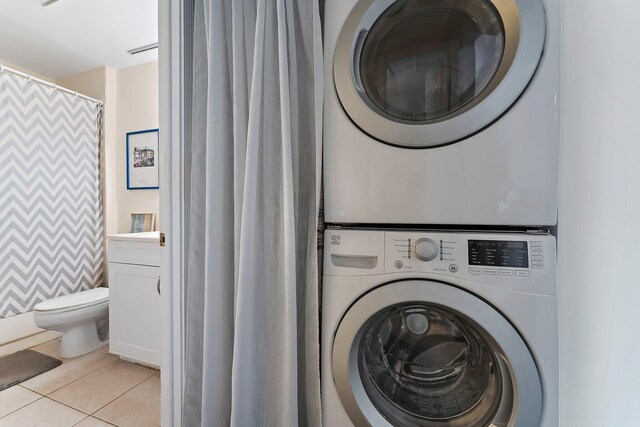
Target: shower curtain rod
{"x":46,"y":83}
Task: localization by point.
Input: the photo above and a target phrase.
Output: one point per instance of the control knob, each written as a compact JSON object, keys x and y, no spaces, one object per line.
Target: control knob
{"x":425,"y":249}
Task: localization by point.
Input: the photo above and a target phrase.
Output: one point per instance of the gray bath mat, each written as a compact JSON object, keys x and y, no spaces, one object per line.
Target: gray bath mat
{"x":21,"y":366}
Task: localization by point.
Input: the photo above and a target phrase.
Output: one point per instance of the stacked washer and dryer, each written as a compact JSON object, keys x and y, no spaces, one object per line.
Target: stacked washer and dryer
{"x":440,"y":190}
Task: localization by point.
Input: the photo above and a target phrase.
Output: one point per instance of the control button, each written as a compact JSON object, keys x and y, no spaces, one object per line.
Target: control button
{"x":522,"y":273}
{"x":399,"y":264}
{"x":536,"y":252}
{"x":453,"y":268}
{"x":536,"y":244}
{"x":540,"y":263}
{"x":475,"y":271}
{"x":537,"y":257}
{"x":538,"y":267}
{"x":425,"y":249}
{"x":506,"y":272}
{"x":491,"y":271}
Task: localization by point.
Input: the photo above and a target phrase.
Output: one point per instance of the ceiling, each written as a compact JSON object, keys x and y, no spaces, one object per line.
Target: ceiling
{"x":71,"y":36}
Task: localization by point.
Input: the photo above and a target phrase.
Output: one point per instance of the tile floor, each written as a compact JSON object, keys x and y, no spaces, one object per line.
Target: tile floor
{"x":94,"y":390}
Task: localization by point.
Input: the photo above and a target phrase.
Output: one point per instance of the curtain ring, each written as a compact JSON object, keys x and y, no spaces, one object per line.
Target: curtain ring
{"x":76,"y":94}
{"x":29,"y":78}
{"x":1,"y":68}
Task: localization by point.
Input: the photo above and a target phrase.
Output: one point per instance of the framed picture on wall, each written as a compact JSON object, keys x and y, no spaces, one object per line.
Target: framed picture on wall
{"x":142,"y":160}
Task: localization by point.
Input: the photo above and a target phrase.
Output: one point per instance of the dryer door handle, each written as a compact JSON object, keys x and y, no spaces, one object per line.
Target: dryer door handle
{"x":367,"y":262}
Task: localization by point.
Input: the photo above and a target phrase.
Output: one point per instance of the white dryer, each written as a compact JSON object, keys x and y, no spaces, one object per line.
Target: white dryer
{"x":441,"y":111}
{"x":439,"y":329}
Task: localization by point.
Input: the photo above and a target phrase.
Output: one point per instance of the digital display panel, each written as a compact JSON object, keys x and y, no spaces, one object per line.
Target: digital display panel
{"x":498,"y":253}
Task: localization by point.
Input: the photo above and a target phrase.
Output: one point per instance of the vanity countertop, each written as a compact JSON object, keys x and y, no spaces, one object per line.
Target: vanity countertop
{"x":152,"y":236}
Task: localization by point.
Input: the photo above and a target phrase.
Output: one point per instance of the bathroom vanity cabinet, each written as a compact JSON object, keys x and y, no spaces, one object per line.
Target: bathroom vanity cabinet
{"x":135,"y":306}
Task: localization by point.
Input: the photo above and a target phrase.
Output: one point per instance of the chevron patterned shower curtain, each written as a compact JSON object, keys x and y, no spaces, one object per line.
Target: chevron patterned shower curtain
{"x":51,"y":226}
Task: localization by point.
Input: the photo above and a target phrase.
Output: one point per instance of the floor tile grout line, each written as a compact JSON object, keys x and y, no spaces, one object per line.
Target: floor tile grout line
{"x":102,"y":419}
{"x":26,"y":388}
{"x":88,"y":416}
{"x":50,"y":398}
{"x":91,"y":416}
{"x":68,"y":406}
{"x":15,"y":410}
{"x":61,"y":403}
{"x":79,"y":378}
{"x":106,"y":404}
{"x":32,"y":391}
{"x":102,"y":407}
{"x":80,"y":410}
{"x":46,"y":396}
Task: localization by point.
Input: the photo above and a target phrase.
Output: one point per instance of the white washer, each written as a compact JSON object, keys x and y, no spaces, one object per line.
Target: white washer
{"x":439,"y":329}
{"x":441,"y":111}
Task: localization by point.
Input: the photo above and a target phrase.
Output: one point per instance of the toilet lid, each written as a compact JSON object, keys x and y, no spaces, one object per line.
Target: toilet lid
{"x":75,"y":301}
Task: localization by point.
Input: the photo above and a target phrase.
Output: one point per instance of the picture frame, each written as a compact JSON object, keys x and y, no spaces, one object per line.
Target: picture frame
{"x":142,"y":222}
{"x":142,"y":160}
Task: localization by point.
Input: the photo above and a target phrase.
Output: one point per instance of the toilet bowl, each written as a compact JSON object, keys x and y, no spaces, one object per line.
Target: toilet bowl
{"x":76,"y":316}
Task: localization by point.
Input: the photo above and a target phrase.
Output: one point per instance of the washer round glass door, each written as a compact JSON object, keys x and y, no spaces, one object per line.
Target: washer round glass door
{"x":423,"y":353}
{"x":424,"y":73}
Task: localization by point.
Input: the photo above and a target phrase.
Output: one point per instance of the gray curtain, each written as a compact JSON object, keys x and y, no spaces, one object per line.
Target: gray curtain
{"x":252,"y":330}
{"x":51,"y":225}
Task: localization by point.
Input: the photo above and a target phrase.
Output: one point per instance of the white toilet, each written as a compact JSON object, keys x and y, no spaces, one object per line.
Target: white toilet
{"x":76,"y":316}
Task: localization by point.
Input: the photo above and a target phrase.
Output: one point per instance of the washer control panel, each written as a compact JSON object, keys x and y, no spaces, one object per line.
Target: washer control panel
{"x":514,"y":261}
{"x":510,"y":260}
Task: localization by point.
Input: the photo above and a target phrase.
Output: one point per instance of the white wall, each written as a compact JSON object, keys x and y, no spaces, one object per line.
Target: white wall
{"x":111,"y":152}
{"x":599,"y":217}
{"x":137,"y":110}
{"x":130,"y":99}
{"x":24,"y":70}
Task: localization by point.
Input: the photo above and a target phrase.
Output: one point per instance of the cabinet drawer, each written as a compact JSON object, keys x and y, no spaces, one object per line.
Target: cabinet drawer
{"x":139,"y":253}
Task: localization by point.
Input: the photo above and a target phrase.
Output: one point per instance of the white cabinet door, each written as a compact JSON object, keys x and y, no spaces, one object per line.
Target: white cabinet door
{"x":135,"y":329}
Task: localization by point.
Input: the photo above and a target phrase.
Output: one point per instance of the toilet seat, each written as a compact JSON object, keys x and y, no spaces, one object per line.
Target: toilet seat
{"x":75,"y":301}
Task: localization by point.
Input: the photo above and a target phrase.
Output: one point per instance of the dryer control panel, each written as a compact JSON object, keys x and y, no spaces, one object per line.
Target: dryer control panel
{"x":516,"y":261}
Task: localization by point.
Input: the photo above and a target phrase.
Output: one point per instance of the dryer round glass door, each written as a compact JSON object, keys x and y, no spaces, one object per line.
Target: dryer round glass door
{"x":424,"y":73}
{"x":423,"y":353}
